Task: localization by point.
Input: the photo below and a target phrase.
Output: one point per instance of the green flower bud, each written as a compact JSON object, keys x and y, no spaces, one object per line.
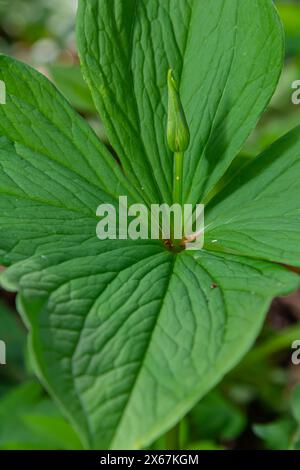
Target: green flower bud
{"x":177,"y":131}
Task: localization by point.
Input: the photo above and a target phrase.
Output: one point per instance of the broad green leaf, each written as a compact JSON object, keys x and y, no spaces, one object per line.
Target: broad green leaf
{"x":238,"y":163}
{"x":43,"y":205}
{"x":40,"y":120}
{"x":227,"y":66}
{"x":128,"y":336}
{"x":258,"y":214}
{"x":54,"y":170}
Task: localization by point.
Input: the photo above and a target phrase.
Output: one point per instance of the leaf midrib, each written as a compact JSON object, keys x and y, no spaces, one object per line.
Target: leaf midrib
{"x":130,"y":394}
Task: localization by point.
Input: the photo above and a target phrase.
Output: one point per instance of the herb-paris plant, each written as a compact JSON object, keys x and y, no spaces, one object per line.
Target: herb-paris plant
{"x":128,"y":335}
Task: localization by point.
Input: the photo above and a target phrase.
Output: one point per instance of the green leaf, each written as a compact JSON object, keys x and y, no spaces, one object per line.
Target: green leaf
{"x":228,"y":68}
{"x":40,"y":120}
{"x":54,"y":170}
{"x":258,"y":214}
{"x":69,"y":81}
{"x":43,"y":205}
{"x":277,"y":435}
{"x":111,"y":339}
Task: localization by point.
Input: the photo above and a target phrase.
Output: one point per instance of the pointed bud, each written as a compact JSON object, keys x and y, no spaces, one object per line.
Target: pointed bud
{"x":177,"y":131}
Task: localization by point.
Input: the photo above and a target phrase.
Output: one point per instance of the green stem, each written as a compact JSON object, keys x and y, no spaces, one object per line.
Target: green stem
{"x":177,"y":184}
{"x":177,"y":189}
{"x":172,"y":438}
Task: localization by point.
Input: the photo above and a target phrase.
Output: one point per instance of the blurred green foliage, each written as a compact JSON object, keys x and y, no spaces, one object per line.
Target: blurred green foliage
{"x":283,"y":433}
{"x":30,"y":420}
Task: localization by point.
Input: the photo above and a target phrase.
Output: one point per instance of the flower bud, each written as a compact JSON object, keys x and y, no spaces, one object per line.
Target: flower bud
{"x":177,"y":130}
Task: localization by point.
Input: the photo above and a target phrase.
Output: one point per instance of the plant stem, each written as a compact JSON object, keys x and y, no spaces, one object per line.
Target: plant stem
{"x":177,"y":184}
{"x":172,"y":438}
{"x":177,"y":190}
